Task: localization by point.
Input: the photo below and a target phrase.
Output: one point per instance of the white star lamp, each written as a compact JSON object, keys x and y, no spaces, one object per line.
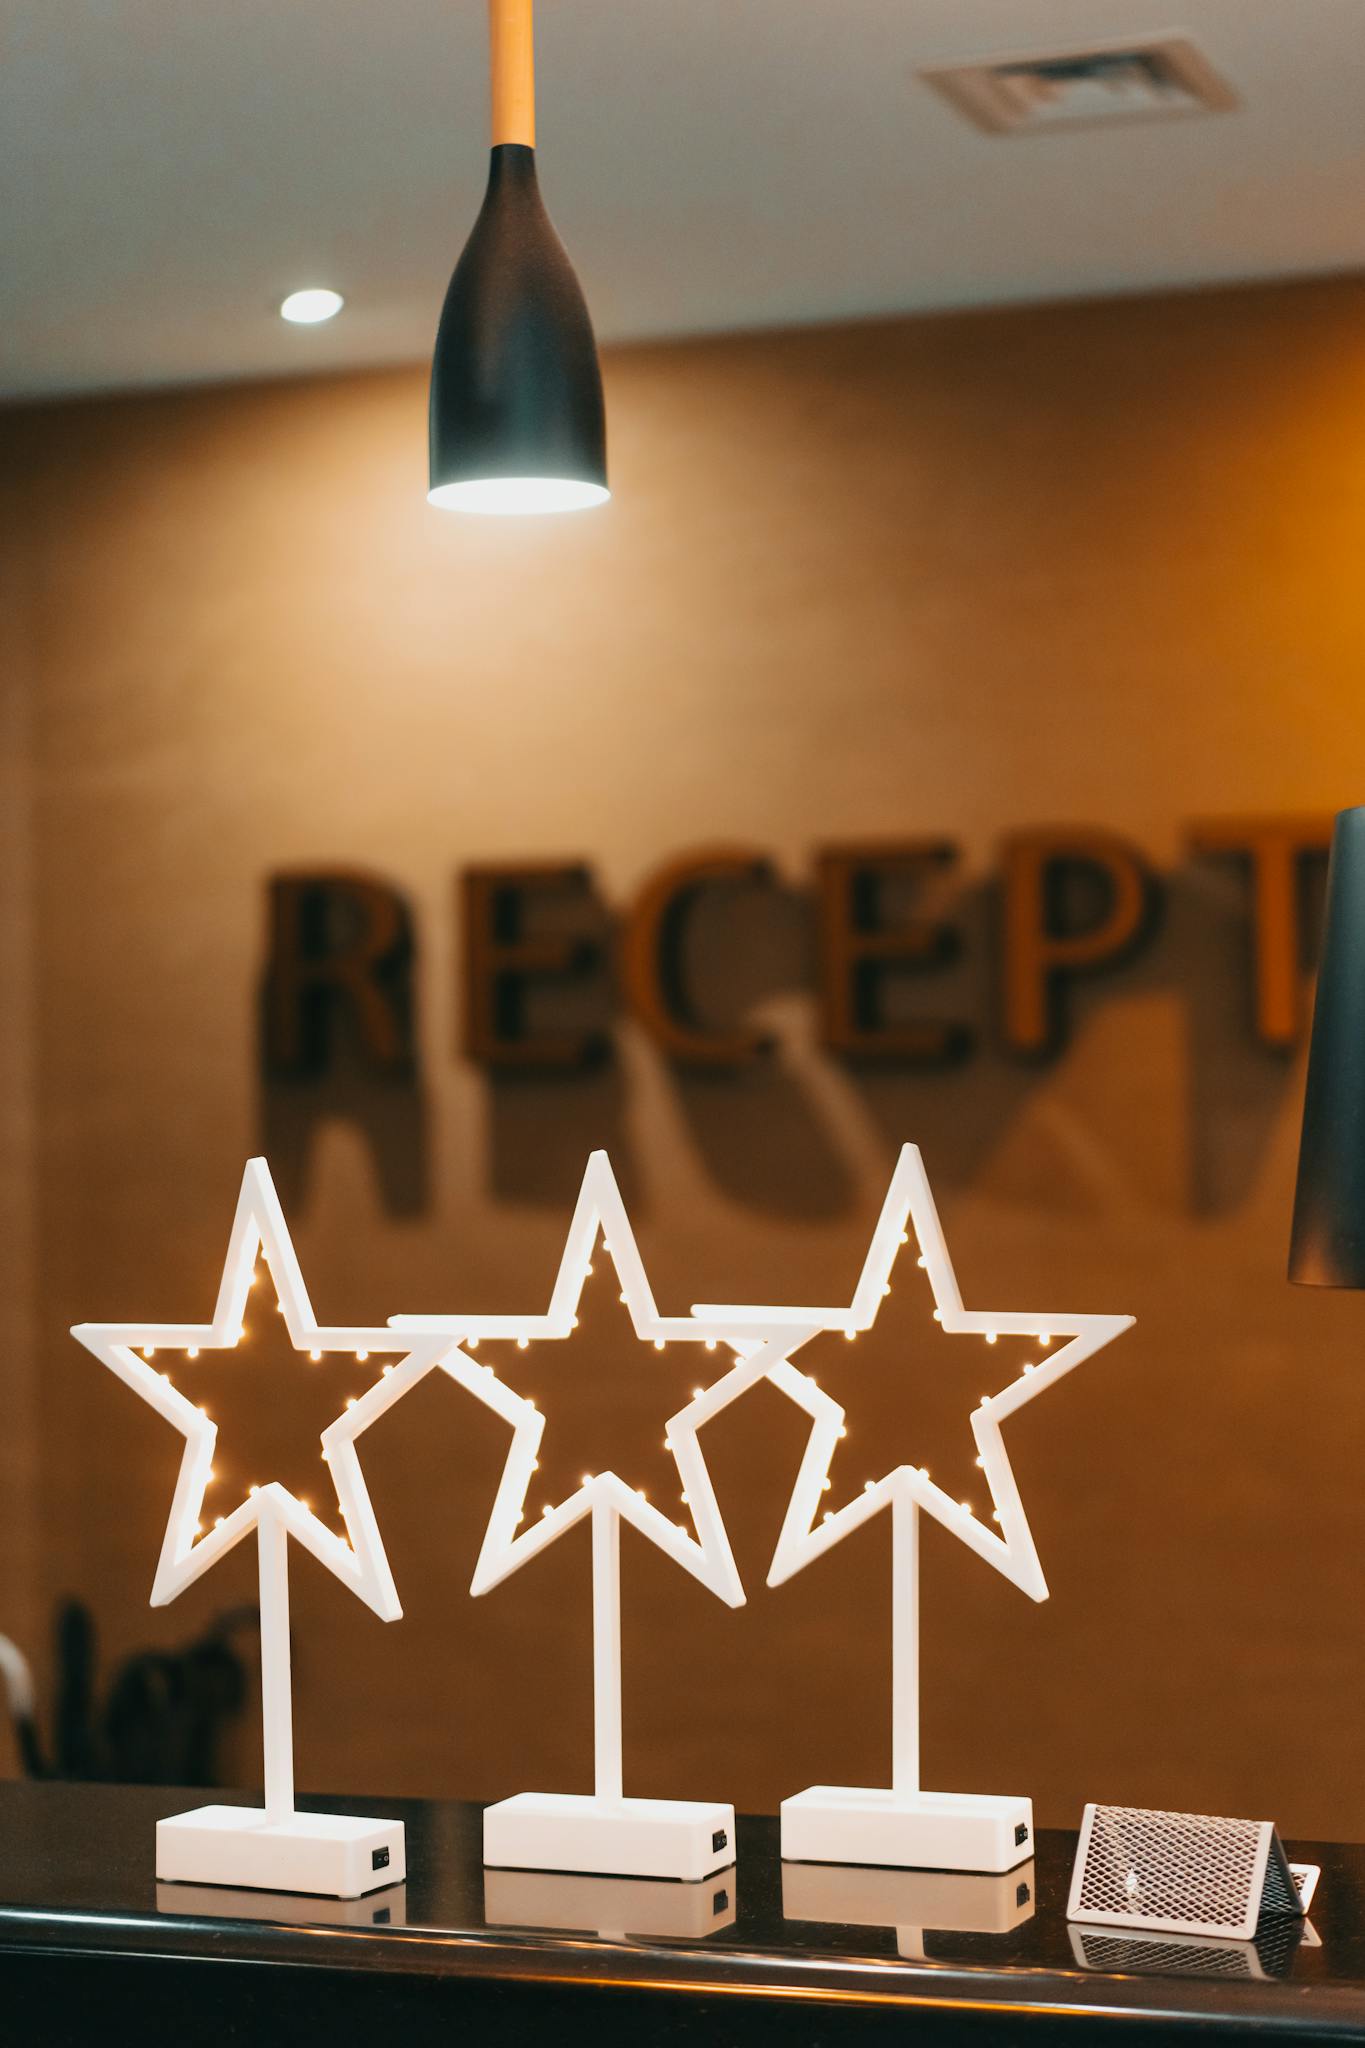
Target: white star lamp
{"x":604,"y":1833}
{"x":273,"y":1847}
{"x":903,"y":1824}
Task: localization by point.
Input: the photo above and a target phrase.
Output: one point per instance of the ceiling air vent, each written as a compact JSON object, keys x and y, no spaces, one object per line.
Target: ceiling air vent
{"x":1144,"y":80}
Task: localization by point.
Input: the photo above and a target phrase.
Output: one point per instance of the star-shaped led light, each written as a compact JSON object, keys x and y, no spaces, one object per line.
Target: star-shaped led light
{"x":137,"y":1354}
{"x":705,"y":1549}
{"x":908,"y":1219}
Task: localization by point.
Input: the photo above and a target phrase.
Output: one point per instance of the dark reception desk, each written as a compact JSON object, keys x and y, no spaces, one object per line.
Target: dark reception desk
{"x":92,"y":1949}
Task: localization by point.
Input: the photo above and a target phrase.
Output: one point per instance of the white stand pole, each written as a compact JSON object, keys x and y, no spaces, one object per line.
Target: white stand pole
{"x":905,"y":1778}
{"x":277,"y":1710}
{"x":606,"y":1652}
{"x":906,"y":1826}
{"x":275,"y":1848}
{"x":606,"y":1834}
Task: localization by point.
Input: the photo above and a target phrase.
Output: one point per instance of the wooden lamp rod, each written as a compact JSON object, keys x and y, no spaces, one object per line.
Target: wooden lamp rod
{"x":512,"y":55}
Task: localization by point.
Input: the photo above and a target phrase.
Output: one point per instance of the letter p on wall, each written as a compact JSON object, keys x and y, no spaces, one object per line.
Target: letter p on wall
{"x":1042,"y":946}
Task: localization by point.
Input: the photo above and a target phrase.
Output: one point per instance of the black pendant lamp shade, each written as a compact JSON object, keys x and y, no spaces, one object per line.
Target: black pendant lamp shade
{"x":517,"y":421}
{"x":1327,"y":1243}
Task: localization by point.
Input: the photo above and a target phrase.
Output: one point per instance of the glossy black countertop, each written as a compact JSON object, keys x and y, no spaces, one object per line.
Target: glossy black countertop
{"x":799,"y":1952}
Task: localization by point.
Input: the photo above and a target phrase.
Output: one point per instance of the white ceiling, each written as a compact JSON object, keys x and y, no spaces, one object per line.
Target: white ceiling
{"x":170,"y":169}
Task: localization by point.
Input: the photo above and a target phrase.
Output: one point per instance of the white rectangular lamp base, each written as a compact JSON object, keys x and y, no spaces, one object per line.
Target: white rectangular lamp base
{"x":679,"y":1838}
{"x":328,"y":1854}
{"x":923,"y":1831}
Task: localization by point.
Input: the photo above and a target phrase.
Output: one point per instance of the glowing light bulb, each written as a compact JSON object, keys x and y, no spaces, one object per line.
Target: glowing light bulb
{"x":1030,"y":1368}
{"x":535,"y":1464}
{"x":1043,"y":1337}
{"x":905,"y":1237}
{"x":643,"y":1495}
{"x":587,"y":1479}
{"x":191,"y":1351}
{"x":308,"y":308}
{"x":938,"y":1315}
{"x":388,"y":1372}
{"x":886,"y":1287}
{"x":710,"y":1343}
{"x":218,"y":1522}
{"x":697,"y":1393}
{"x":253,"y":1491}
{"x":573,"y":1322}
{"x":523,"y":1343}
{"x":350,"y":1400}
{"x":658,"y":1343}
{"x":237,"y":1336}
{"x":990,"y":1336}
{"x":828,"y":1515}
{"x":361,"y":1356}
{"x":587,"y":1272}
{"x":315,"y":1356}
{"x":920,"y":1262}
{"x":471,"y":1343}
{"x":849,"y":1336}
{"x":995,"y":1514}
{"x":979,"y":1463}
{"x":149,"y":1351}
{"x":547,"y":1509}
{"x":965,"y":1506}
{"x":685,"y":1501}
{"x":824,"y":1485}
{"x":868,"y":1485}
{"x":621,"y":1296}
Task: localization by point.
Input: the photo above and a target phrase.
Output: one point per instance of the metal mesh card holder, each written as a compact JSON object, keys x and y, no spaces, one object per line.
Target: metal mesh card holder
{"x":1183,"y":1873}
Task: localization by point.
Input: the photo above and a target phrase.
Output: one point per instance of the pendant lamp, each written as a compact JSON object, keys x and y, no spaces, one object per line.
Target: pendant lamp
{"x":517,"y":422}
{"x":1327,"y":1242}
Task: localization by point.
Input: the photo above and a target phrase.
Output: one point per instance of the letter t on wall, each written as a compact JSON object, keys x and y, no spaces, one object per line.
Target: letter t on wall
{"x":1276,"y":849}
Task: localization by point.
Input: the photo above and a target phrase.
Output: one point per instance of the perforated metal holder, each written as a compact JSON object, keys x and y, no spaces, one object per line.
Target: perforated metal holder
{"x":1184,"y":1873}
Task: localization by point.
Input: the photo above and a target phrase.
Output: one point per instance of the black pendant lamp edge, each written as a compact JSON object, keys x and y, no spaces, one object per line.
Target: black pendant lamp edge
{"x":1327,"y":1233}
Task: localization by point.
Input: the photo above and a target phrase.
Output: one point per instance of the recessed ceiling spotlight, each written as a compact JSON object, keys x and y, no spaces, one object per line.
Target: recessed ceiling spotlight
{"x":307,"y":308}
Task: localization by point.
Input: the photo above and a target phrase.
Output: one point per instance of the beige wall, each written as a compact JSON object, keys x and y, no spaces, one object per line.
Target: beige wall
{"x":1098,"y":564}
